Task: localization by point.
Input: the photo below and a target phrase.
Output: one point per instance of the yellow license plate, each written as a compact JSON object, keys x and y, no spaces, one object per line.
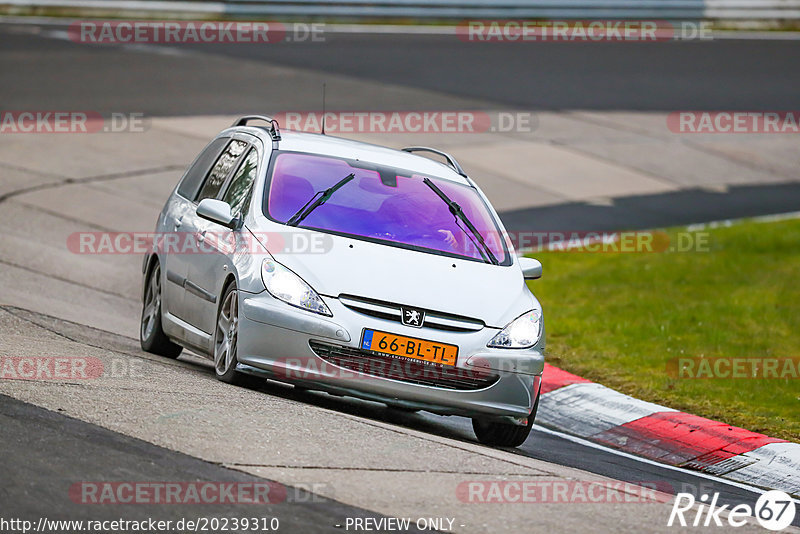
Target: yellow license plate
{"x":409,"y":347}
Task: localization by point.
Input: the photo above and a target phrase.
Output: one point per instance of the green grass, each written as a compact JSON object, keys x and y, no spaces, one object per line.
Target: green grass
{"x":618,"y":318}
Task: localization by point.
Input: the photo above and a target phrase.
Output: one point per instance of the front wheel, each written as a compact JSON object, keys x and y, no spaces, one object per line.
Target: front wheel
{"x":504,"y":434}
{"x":226,"y":339}
{"x":151,"y":335}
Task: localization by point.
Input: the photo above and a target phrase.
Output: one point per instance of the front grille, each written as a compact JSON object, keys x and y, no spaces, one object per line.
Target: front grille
{"x":392,"y":312}
{"x":403,"y":369}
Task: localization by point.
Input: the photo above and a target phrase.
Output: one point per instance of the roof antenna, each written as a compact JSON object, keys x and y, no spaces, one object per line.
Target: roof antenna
{"x":323,"y":108}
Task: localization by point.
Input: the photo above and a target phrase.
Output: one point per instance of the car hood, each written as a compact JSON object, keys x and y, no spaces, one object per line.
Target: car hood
{"x":493,"y":294}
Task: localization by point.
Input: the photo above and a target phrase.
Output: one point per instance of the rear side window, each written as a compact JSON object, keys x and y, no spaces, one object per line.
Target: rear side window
{"x":194,"y":176}
{"x":240,"y":190}
{"x":221,"y":169}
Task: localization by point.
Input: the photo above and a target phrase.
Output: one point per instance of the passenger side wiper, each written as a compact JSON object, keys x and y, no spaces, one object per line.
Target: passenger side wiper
{"x":318,"y":199}
{"x":457,"y":212}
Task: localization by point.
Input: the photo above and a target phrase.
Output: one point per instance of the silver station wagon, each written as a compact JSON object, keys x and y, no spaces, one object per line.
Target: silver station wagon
{"x":348,"y":268}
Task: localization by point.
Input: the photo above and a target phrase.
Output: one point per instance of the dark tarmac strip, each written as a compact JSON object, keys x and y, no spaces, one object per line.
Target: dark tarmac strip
{"x":45,"y":453}
{"x":672,"y":75}
{"x":666,"y":76}
{"x":677,"y":208}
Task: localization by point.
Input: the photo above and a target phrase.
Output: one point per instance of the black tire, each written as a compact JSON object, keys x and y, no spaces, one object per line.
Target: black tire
{"x":504,"y":434}
{"x":225,"y":371}
{"x":151,"y":335}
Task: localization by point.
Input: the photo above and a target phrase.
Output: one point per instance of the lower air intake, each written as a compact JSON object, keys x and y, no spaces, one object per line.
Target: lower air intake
{"x":403,"y":369}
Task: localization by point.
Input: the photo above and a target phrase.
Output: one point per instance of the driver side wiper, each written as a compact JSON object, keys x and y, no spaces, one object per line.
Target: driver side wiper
{"x":318,"y":199}
{"x":457,"y":212}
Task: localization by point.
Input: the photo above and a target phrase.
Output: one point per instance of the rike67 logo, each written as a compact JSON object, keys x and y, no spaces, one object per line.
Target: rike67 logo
{"x":774,"y":510}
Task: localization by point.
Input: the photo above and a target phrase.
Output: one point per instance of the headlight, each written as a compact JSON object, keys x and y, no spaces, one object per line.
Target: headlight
{"x":521,"y":333}
{"x":283,"y":284}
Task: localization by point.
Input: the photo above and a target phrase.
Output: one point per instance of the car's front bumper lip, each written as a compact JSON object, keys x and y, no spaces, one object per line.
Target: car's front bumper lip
{"x":274,"y":337}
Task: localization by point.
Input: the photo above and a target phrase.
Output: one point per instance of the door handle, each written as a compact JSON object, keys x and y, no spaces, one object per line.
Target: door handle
{"x":202,"y":236}
{"x":179,"y":222}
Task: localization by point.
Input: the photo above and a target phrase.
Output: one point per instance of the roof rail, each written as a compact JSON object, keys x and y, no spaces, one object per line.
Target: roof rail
{"x":450,"y":159}
{"x":274,"y":128}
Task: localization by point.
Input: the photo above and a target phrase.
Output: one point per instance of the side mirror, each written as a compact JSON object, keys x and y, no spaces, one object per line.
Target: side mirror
{"x":217,"y":211}
{"x":531,"y":268}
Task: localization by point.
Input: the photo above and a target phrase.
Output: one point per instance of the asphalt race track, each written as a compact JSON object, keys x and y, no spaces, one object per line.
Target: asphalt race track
{"x":441,"y":72}
{"x":696,"y":75}
{"x":45,"y":452}
{"x":171,"y":420}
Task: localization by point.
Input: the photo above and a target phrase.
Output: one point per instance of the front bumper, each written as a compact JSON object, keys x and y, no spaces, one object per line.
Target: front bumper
{"x":275,"y":340}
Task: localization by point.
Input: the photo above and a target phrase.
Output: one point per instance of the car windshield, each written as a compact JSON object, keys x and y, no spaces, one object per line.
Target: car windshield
{"x":384,"y":204}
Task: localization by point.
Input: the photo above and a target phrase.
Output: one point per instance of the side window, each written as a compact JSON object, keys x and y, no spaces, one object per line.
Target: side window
{"x":240,"y":190}
{"x":194,"y":176}
{"x":221,"y":169}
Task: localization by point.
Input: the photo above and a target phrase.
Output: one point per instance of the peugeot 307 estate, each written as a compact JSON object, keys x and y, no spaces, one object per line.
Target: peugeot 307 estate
{"x":348,"y":268}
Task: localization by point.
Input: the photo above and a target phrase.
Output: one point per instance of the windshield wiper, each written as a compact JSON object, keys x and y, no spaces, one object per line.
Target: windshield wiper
{"x":318,"y":199}
{"x":457,"y":212}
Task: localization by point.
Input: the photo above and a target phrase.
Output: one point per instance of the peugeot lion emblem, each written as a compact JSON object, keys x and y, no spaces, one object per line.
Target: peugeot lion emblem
{"x":413,"y":317}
